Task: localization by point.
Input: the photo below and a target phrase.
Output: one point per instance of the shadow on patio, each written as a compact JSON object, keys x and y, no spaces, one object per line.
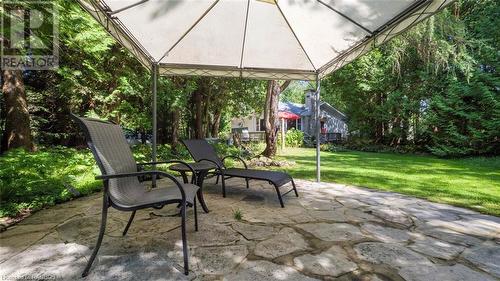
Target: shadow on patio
{"x":330,"y":232}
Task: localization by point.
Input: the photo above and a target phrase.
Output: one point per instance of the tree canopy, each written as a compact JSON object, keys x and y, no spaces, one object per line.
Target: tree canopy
{"x":434,"y":88}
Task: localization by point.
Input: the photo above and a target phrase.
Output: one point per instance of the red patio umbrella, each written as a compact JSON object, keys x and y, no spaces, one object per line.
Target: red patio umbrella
{"x":288,"y":115}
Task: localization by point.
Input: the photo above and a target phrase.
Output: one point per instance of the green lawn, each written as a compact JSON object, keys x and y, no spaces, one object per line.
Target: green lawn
{"x":473,"y":182}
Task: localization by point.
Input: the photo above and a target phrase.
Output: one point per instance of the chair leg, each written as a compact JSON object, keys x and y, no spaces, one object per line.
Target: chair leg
{"x":223,"y":186}
{"x":129,"y":223}
{"x":279,"y":196}
{"x":195,"y":215}
{"x":184,"y":240}
{"x":295,"y":189}
{"x":248,"y":185}
{"x":102,"y":229}
{"x":217,"y":180}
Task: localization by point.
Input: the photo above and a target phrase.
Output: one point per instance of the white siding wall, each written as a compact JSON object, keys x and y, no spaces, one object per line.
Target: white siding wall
{"x":333,"y":125}
{"x":249,"y":122}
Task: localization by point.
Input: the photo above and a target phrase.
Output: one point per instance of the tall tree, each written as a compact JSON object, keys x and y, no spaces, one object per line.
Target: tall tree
{"x":17,"y":122}
{"x":274,"y":88}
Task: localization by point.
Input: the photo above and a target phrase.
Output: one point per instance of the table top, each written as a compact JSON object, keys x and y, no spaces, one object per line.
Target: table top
{"x":198,"y":166}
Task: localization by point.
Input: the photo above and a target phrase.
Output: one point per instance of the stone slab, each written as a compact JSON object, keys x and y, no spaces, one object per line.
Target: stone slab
{"x":450,"y":236}
{"x":333,"y":262}
{"x":486,"y":257}
{"x":392,"y":215}
{"x":211,"y":235}
{"x":285,"y":242}
{"x":254,"y":232}
{"x":333,"y":231}
{"x":390,"y":254}
{"x":436,"y":248}
{"x":265,"y":271}
{"x":479,"y":228}
{"x":50,"y":260}
{"x":19,"y":237}
{"x":140,"y":266}
{"x":386,"y":234}
{"x":456,"y":272}
{"x":217,"y":260}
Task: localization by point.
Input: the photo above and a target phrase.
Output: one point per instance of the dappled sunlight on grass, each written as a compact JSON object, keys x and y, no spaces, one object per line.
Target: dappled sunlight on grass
{"x":470,"y":182}
{"x":51,"y":175}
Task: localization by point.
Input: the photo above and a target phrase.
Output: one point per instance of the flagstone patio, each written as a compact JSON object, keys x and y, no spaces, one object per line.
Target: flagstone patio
{"x":331,"y":232}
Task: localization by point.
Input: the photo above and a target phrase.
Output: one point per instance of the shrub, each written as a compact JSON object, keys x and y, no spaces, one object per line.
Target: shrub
{"x":294,"y":138}
{"x":142,"y":153}
{"x":31,"y":181}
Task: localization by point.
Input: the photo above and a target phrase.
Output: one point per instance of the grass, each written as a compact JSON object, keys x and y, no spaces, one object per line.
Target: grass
{"x":238,"y":214}
{"x":471,"y":182}
{"x":31,"y":181}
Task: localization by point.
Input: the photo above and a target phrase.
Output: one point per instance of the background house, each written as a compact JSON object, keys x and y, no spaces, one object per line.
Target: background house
{"x":300,"y":117}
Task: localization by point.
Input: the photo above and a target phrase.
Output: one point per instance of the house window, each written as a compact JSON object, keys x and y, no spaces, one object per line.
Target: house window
{"x":262,"y":126}
{"x":257,"y":124}
{"x":299,"y":124}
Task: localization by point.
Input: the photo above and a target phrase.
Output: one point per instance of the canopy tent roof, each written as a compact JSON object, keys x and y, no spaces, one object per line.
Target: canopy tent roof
{"x":262,"y":39}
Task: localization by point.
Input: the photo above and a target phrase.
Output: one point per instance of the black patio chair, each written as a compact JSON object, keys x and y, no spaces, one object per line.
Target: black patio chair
{"x":201,"y":150}
{"x":122,"y":188}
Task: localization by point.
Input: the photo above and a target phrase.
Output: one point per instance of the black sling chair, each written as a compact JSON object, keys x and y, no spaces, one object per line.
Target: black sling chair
{"x":122,"y":188}
{"x":201,"y":150}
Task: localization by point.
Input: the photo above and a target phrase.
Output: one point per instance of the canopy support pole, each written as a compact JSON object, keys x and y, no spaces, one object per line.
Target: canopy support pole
{"x":318,"y":130}
{"x":282,"y":134}
{"x":154,"y":79}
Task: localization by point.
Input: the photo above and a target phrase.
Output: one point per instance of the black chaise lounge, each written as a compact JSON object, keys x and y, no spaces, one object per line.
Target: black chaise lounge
{"x":122,"y":188}
{"x":201,"y":150}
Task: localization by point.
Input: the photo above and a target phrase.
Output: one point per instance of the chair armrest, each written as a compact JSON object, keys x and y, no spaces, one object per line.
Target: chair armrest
{"x":143,"y":173}
{"x":126,"y":175}
{"x":236,"y":157}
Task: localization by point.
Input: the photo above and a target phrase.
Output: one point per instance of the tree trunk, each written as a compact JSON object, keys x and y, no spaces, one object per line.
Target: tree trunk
{"x":216,"y":123}
{"x":206,"y":116}
{"x":143,"y":136}
{"x":17,"y":119}
{"x":198,"y":113}
{"x":271,"y":116}
{"x":175,"y":129}
{"x":162,"y":130}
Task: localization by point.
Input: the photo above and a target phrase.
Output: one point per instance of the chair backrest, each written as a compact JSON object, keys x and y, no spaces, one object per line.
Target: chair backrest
{"x":113,"y":156}
{"x":201,"y":149}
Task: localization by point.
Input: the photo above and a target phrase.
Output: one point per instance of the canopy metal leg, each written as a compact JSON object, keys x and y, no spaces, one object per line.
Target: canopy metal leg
{"x":318,"y":130}
{"x":154,"y":78}
{"x":154,"y":74}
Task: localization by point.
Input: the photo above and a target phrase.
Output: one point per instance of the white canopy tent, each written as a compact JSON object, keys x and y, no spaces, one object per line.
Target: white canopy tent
{"x":258,"y":39}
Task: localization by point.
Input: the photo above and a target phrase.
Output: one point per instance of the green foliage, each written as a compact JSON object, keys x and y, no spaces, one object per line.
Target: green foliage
{"x":238,"y":214}
{"x":433,"y":89}
{"x":142,"y":153}
{"x":46,"y":177}
{"x":31,"y":181}
{"x":294,"y":138}
{"x":466,"y":118}
{"x":295,"y":92}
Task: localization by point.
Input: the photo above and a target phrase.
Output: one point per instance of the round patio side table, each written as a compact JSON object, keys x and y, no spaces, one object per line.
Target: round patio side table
{"x":201,"y":170}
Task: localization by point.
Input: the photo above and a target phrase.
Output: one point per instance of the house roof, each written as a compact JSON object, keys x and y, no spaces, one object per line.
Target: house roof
{"x":302,"y":110}
{"x":295,"y":108}
{"x":327,"y":107}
